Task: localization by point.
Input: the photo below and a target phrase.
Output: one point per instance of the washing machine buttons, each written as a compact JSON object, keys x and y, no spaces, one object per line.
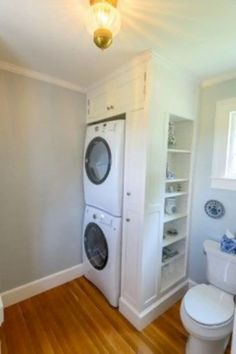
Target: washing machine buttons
{"x":102,"y":220}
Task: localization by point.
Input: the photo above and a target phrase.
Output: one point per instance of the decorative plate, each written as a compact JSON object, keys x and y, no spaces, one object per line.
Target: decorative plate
{"x":214,"y":209}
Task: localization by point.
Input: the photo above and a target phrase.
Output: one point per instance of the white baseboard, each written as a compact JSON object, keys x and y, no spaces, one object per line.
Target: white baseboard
{"x":36,"y":287}
{"x":141,"y":319}
{"x":191,"y":283}
{"x":1,"y":316}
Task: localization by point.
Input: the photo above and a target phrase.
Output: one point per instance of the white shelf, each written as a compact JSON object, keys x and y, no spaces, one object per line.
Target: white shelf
{"x":168,"y":218}
{"x":179,"y":151}
{"x":173,"y":259}
{"x":172,"y":281}
{"x":172,"y":239}
{"x":175,"y":194}
{"x":173,"y":269}
{"x":176,"y":180}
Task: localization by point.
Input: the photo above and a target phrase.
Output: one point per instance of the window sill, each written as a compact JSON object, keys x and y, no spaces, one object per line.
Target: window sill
{"x":223,"y":183}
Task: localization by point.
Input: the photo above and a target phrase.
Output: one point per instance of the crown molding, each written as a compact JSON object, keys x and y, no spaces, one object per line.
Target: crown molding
{"x":40,"y":76}
{"x":231,"y":75}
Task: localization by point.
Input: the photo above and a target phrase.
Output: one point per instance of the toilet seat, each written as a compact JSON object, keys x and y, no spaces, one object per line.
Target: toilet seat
{"x":209,"y":306}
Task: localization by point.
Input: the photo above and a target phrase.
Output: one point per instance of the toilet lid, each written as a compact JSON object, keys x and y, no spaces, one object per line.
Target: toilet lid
{"x":208,"y":305}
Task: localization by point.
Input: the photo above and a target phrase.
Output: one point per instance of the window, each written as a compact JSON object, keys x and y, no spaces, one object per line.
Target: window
{"x":231,"y":150}
{"x":224,"y":155}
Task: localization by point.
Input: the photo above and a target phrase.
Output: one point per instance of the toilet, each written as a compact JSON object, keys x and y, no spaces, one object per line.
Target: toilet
{"x":207,"y":311}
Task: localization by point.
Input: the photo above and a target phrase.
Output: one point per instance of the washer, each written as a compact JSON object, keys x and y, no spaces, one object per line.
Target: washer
{"x":104,"y":165}
{"x":102,"y":252}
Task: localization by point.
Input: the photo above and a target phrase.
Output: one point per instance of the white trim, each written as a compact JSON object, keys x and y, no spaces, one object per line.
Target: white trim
{"x":12,"y":68}
{"x":36,"y":287}
{"x":219,"y":79}
{"x":141,"y":319}
{"x":223,"y":183}
{"x":1,"y":316}
{"x":233,"y":350}
{"x":191,"y":283}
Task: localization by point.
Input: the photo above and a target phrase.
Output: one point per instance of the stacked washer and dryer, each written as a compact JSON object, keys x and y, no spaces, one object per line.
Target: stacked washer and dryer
{"x":103,"y":190}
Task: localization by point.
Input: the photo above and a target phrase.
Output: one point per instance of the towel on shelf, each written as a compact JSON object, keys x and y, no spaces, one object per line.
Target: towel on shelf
{"x":228,"y":243}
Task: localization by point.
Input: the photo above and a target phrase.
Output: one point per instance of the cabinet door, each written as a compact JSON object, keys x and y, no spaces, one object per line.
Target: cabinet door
{"x":130,"y":282}
{"x":129,"y":93}
{"x":135,"y":159}
{"x":122,"y":94}
{"x":97,"y":105}
{"x":133,"y":212}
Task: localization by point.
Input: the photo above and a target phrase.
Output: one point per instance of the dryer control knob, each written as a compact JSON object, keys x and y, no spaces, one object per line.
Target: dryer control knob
{"x":128,"y":194}
{"x":128,"y":220}
{"x":94,"y":216}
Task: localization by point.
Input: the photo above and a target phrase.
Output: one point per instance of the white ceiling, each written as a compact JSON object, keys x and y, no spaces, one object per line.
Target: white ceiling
{"x":49,"y":36}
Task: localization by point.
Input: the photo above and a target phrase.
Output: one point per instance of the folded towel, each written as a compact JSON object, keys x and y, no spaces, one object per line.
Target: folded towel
{"x":228,"y":243}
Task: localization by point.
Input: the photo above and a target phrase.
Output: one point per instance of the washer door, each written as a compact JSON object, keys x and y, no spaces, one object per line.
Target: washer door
{"x":98,"y":160}
{"x":95,"y":246}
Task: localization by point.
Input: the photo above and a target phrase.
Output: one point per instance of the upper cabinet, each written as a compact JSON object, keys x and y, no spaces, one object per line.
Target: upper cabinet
{"x":125,"y":92}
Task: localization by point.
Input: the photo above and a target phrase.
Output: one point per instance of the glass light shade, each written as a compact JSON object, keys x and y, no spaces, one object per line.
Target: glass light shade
{"x":102,"y":15}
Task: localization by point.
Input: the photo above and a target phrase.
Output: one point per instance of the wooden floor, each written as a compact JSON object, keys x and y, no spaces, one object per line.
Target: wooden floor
{"x":75,"y":318}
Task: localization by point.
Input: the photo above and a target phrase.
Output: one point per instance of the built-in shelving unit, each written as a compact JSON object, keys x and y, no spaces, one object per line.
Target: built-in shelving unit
{"x":176,"y":203}
{"x":145,"y":90}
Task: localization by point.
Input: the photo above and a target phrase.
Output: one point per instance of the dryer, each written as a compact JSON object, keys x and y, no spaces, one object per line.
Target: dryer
{"x":104,"y":166}
{"x":102,"y":252}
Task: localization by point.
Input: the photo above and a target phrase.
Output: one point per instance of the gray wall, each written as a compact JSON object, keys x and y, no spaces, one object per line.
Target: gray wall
{"x":41,"y":198}
{"x":204,"y":227}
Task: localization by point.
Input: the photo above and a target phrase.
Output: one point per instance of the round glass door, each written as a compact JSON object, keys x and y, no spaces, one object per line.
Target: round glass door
{"x":98,"y":160}
{"x":95,"y":246}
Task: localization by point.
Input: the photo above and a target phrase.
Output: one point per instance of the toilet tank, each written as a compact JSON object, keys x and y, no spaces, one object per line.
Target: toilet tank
{"x":221,"y":267}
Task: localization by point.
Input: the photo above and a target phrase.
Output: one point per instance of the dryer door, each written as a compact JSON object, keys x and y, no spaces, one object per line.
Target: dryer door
{"x":98,"y":160}
{"x":95,"y":246}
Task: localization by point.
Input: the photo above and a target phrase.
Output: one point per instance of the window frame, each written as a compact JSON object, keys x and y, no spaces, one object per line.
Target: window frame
{"x":219,"y":179}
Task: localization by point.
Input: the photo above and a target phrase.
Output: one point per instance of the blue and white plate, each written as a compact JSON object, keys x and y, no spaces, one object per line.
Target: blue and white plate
{"x":214,"y":209}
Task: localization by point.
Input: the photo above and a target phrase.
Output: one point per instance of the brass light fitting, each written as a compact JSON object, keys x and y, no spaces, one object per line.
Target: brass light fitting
{"x":103,"y":22}
{"x":111,"y":2}
{"x":102,"y":38}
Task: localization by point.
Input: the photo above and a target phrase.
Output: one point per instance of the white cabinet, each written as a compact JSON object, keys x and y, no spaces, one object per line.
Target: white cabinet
{"x":149,"y":93}
{"x":98,"y":104}
{"x":133,"y":211}
{"x":149,"y":284}
{"x":125,"y":93}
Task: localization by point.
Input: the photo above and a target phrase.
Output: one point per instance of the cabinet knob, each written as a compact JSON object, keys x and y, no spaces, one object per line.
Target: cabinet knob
{"x":128,"y":194}
{"x":128,"y":220}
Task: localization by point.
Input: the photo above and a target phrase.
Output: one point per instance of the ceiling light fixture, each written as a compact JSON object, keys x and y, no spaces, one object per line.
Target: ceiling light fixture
{"x":103,"y":22}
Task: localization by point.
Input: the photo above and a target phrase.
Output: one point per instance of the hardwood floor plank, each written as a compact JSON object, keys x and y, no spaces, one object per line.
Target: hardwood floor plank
{"x":101,"y":324}
{"x":75,"y":318}
{"x":137,"y":340}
